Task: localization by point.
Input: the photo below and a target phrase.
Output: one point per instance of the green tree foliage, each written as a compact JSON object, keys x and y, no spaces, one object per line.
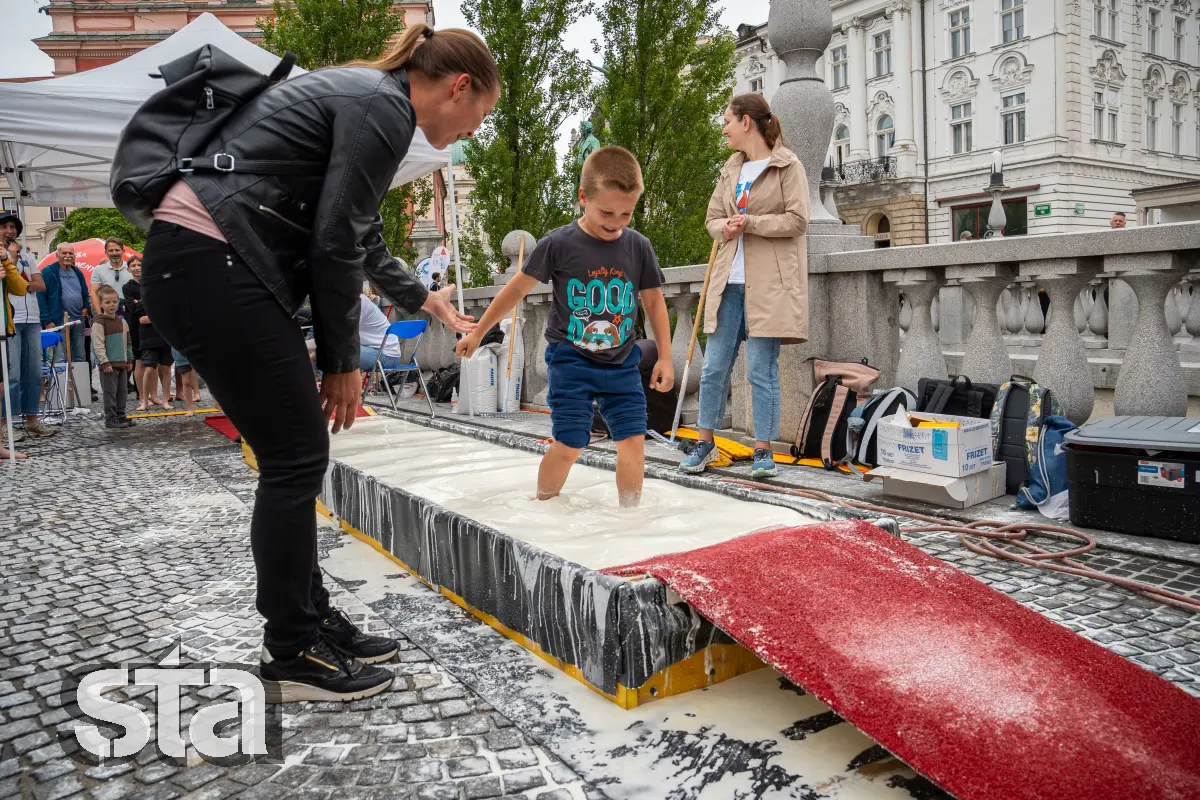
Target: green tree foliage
{"x":668,"y":77}
{"x":99,"y":223}
{"x":323,"y":33}
{"x":517,"y":181}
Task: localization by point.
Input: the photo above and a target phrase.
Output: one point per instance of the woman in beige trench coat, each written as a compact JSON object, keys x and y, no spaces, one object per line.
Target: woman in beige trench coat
{"x":759,"y":287}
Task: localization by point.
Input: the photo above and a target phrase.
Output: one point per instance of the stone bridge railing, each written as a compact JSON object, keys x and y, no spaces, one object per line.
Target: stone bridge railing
{"x":919,"y":312}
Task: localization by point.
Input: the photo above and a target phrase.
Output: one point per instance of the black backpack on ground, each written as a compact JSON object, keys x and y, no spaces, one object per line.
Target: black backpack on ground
{"x":957,"y":397}
{"x":1019,"y":413}
{"x":660,"y":406}
{"x":824,"y":431}
{"x":441,"y":384}
{"x":885,"y":403}
{"x":169,"y":134}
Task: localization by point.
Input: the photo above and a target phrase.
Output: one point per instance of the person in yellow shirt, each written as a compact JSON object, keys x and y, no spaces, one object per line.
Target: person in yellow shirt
{"x":12,"y":283}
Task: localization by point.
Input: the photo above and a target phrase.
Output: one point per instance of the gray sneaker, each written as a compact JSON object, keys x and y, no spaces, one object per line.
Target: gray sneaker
{"x":699,"y":456}
{"x":764,"y":464}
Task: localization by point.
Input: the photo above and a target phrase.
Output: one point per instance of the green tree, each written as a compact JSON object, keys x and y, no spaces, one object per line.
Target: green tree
{"x":668,"y":77}
{"x":518,"y":184}
{"x":99,"y":223}
{"x":322,"y":33}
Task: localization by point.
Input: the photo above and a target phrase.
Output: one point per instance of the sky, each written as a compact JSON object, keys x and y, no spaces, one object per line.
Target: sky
{"x":24,"y":22}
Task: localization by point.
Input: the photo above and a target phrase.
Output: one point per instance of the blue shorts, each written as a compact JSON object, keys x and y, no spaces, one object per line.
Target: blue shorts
{"x":576,"y":381}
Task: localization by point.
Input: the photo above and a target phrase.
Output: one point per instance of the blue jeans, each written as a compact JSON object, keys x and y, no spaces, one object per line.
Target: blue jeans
{"x":366,"y":359}
{"x":762,"y":368}
{"x":24,"y":369}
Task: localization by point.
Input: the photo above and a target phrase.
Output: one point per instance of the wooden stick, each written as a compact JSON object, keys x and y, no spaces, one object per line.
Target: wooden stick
{"x":512,"y":325}
{"x":712,"y":257}
{"x":74,"y":390}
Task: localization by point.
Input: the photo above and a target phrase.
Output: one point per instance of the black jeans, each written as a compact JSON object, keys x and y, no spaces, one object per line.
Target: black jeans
{"x":208,"y":304}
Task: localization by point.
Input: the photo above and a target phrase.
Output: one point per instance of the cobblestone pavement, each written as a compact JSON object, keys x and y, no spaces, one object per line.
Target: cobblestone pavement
{"x":1160,"y":638}
{"x":119,"y":543}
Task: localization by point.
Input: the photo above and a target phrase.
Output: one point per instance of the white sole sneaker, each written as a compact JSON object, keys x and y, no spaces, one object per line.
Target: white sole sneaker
{"x":703,"y":465}
{"x":295,"y":692}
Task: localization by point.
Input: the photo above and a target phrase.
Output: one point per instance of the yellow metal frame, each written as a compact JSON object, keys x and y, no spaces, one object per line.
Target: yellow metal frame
{"x":712,"y":665}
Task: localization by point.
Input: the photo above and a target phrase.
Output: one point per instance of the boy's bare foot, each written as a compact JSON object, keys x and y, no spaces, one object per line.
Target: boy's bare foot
{"x":546,"y":495}
{"x":167,"y":406}
{"x":190,"y":413}
{"x":4,"y":454}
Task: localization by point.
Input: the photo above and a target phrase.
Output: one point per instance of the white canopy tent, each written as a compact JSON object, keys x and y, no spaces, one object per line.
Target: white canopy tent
{"x":58,"y":136}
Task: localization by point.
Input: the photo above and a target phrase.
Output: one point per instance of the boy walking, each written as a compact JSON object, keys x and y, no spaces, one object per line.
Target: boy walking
{"x":114,"y":353}
{"x":598,"y":270}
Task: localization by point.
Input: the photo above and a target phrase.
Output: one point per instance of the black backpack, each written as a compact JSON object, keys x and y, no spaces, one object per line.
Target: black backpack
{"x":957,"y":397}
{"x":441,"y":384}
{"x":169,"y":134}
{"x":1017,"y":417}
{"x":885,"y":403}
{"x":660,"y":406}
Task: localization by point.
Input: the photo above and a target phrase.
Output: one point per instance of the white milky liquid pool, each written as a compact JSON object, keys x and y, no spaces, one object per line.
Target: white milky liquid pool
{"x":496,"y":485}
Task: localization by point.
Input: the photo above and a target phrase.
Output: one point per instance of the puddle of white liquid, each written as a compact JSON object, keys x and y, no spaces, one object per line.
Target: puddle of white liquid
{"x":496,"y":485}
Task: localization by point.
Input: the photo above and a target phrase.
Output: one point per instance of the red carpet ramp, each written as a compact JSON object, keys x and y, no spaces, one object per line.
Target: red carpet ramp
{"x":986,"y":698}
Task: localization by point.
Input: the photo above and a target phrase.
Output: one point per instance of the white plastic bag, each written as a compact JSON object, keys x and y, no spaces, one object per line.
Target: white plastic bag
{"x":477,"y":384}
{"x":508,"y":391}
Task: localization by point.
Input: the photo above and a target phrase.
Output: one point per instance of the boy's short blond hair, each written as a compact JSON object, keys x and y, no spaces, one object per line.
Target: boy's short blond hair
{"x":106,"y":290}
{"x":613,"y":168}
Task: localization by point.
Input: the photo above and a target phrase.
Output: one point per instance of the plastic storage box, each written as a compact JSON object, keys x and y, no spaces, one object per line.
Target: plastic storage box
{"x":1137,"y":475}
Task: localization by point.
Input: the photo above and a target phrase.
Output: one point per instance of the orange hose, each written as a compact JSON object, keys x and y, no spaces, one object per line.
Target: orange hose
{"x":984,"y":537}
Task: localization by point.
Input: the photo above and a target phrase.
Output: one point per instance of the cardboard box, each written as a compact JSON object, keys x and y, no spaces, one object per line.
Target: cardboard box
{"x":951,"y":452}
{"x":971,"y":490}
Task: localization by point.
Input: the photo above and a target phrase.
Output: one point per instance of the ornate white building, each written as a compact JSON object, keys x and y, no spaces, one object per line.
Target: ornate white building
{"x":1086,"y":100}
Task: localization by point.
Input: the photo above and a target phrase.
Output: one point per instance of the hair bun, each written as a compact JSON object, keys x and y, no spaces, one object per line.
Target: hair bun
{"x":428,"y":32}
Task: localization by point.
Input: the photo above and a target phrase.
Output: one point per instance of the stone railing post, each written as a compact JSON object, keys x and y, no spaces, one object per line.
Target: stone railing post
{"x":985,"y":358}
{"x":1122,"y":313}
{"x":1062,"y":365}
{"x":1191,"y":321}
{"x":921,"y":356}
{"x":1151,"y":381}
{"x":952,"y":324}
{"x":683,"y":301}
{"x":537,"y":377}
{"x":511,"y":248}
{"x":1096,"y":334}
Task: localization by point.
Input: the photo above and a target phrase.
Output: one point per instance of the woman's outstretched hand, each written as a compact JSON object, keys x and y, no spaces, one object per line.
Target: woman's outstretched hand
{"x":441,"y":305}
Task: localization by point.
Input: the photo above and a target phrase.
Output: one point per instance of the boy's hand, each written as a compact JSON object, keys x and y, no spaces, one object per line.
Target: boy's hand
{"x":663,"y":376}
{"x":467,"y":345}
{"x":106,"y":367}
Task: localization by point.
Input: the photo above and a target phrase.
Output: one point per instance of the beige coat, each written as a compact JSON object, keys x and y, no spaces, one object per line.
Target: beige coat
{"x":775,"y":250}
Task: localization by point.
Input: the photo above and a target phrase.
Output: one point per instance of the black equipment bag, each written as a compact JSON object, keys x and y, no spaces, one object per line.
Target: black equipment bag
{"x":660,"y":406}
{"x":957,"y":397}
{"x":1017,"y":418}
{"x":885,"y":403}
{"x":169,"y":135}
{"x":442,"y":384}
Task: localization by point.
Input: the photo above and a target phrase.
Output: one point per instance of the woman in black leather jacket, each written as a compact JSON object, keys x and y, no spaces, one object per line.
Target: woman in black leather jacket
{"x":231,"y":257}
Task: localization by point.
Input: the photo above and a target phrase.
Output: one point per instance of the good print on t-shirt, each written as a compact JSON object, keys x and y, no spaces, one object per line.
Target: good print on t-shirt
{"x":601,"y":309}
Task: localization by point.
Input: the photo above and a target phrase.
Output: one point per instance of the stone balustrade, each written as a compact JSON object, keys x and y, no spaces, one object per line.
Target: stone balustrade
{"x":1130,"y":318}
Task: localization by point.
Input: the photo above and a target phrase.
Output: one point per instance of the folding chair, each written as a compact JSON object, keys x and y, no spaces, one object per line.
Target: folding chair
{"x":403,"y":330}
{"x":54,"y":378}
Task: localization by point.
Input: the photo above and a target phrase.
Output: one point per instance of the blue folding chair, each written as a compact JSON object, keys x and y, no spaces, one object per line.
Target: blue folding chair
{"x":403,"y":331}
{"x":54,"y":377}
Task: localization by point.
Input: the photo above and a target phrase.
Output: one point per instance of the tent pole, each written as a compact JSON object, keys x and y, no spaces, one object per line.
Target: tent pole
{"x":458,"y":275}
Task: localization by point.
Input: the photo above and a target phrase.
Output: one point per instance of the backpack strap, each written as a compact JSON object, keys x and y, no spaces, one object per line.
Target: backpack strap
{"x":283,"y":68}
{"x":805,"y":422}
{"x":835,"y":412}
{"x":941,"y":396}
{"x":224,"y":162}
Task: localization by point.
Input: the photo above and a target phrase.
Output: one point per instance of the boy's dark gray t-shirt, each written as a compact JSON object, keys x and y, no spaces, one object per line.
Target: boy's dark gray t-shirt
{"x":595,"y":286}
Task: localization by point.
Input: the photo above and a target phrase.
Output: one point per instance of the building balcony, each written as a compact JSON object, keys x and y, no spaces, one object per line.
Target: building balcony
{"x":867,"y":170}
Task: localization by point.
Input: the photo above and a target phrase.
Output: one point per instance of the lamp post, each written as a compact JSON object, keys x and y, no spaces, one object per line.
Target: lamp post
{"x":996,"y":218}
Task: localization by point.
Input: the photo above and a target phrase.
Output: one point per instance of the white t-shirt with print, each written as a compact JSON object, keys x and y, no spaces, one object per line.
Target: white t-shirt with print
{"x":25,"y":307}
{"x":749,"y":174}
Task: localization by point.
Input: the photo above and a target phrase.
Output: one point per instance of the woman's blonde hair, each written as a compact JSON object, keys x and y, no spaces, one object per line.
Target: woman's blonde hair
{"x":452,"y":51}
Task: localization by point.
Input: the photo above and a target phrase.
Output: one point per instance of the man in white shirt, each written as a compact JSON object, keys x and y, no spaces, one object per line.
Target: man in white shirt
{"x":114,"y":273}
{"x":372,"y":326}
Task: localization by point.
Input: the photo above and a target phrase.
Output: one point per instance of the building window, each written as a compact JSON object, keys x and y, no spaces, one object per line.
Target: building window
{"x":1180,"y":37}
{"x":1151,"y":124}
{"x":1114,"y":128}
{"x":756,"y":85}
{"x":1112,"y":11}
{"x":841,"y":68}
{"x":1177,"y":128}
{"x":961,"y":128}
{"x":841,"y":144}
{"x":974,"y":219}
{"x":1013,"y":115}
{"x":882,"y":47}
{"x":885,"y":136}
{"x":1154,"y":25}
{"x":1012,"y":19}
{"x":10,"y":204}
{"x":960,"y":32}
{"x":58,"y":213}
{"x":1098,"y":112}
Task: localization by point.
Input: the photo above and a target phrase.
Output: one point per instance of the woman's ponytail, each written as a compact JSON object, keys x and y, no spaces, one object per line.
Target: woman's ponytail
{"x":754,"y":106}
{"x":452,"y":51}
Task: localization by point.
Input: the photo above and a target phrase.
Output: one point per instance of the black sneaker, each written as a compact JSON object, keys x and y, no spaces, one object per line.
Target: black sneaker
{"x":346,"y":635}
{"x":126,"y":422}
{"x":321,"y":672}
{"x":111,"y":423}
